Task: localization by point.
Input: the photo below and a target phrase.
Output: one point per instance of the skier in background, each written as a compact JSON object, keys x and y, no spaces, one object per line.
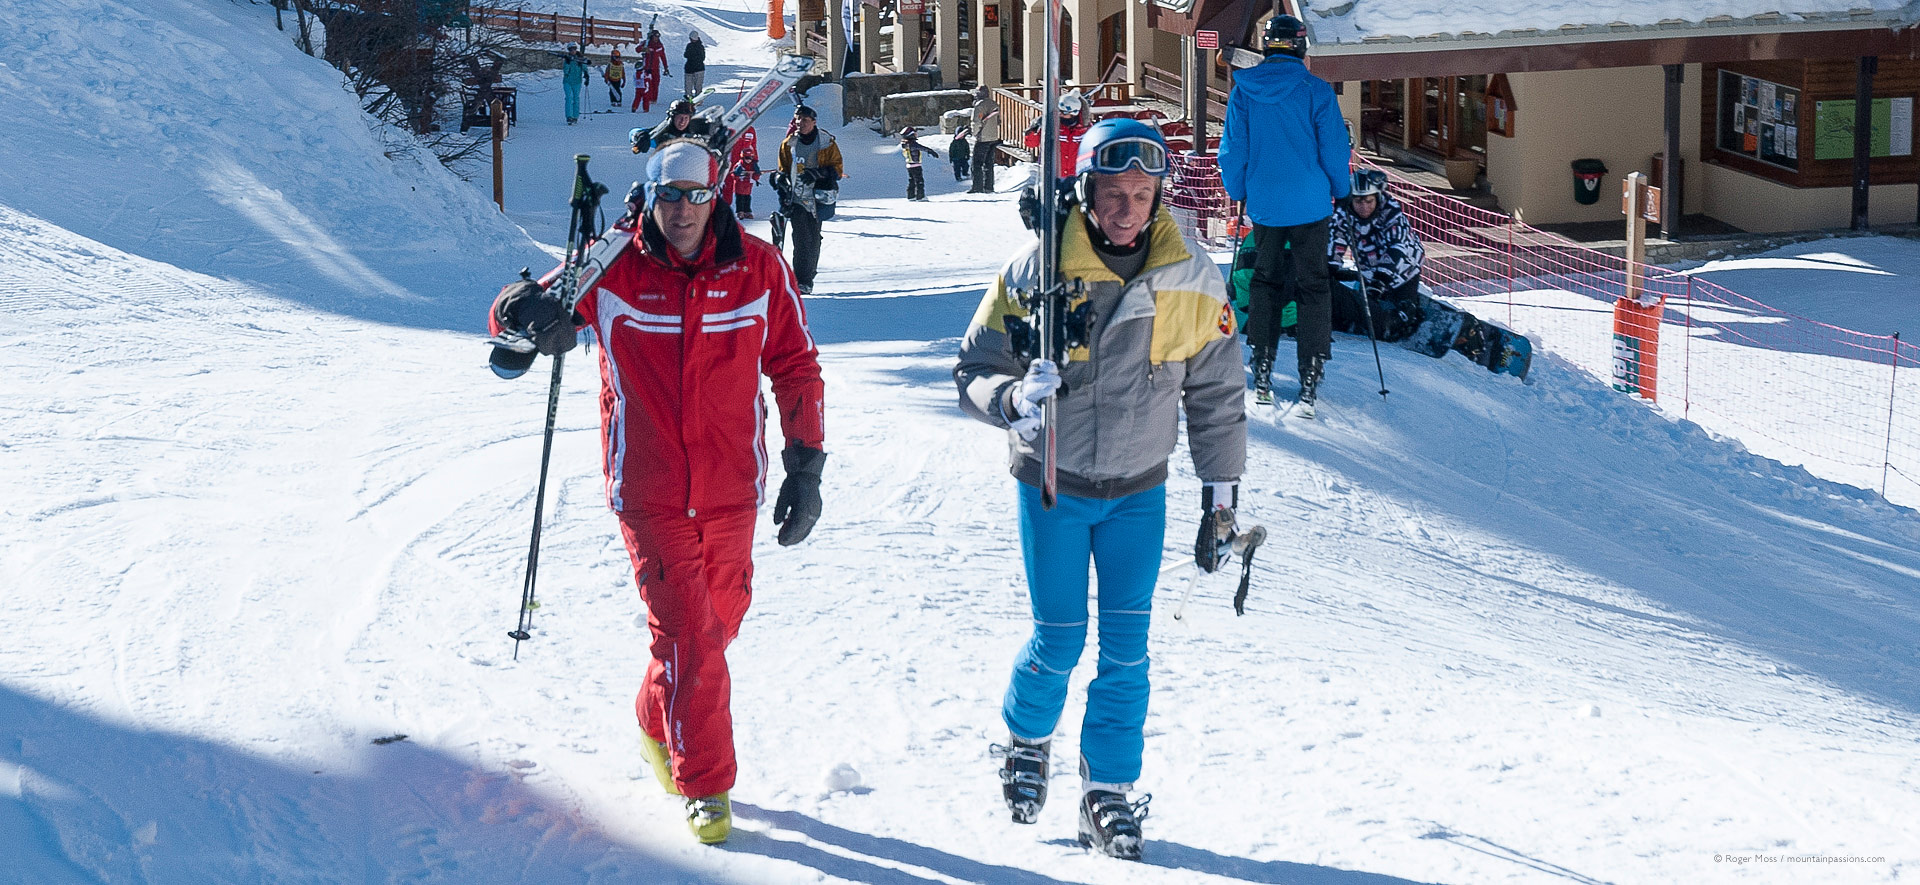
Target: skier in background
{"x":986,"y":139}
{"x":810,"y":162}
{"x":688,"y":319}
{"x":573,"y":76}
{"x":615,"y":75}
{"x":680,"y":123}
{"x":1073,"y":125}
{"x":696,"y":56}
{"x":1161,"y":342}
{"x":958,"y":153}
{"x":652,"y":69}
{"x":913,"y":151}
{"x":1284,"y":154}
{"x":743,"y":173}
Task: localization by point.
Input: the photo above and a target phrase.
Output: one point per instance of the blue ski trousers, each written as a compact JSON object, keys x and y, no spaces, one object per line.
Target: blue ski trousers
{"x":572,"y":90}
{"x":1122,"y":537}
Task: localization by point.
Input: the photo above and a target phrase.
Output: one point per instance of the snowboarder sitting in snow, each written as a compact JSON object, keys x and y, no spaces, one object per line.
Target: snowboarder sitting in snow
{"x":1158,"y":338}
{"x":1387,"y":257}
{"x":959,"y":153}
{"x":688,"y":317}
{"x":912,"y":149}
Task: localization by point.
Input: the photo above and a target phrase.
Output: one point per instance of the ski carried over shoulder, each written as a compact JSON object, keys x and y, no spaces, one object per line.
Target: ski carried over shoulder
{"x":577,"y":276}
{"x":1046,"y":303}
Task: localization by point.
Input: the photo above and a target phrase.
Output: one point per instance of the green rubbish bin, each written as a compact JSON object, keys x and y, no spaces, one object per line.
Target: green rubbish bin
{"x":1586,"y":180}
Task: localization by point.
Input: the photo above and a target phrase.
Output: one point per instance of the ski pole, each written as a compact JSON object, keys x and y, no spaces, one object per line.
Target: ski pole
{"x":1245,"y":545}
{"x":1223,"y":536}
{"x":1192,"y":582}
{"x":586,"y":199}
{"x":1366,"y":304}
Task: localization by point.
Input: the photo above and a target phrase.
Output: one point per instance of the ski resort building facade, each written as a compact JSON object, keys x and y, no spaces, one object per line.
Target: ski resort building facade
{"x":1760,"y":107}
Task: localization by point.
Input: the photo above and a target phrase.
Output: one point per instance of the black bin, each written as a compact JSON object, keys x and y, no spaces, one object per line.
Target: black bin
{"x":1586,"y":180}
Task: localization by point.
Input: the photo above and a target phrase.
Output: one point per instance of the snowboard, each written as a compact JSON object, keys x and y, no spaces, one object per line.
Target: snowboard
{"x":1450,"y":328}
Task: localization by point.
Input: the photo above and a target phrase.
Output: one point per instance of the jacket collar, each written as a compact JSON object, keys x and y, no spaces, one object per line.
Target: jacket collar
{"x":1078,"y":258}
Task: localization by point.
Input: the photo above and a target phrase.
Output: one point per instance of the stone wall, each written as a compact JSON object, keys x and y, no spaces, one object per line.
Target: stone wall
{"x":863,"y":92}
{"x":920,"y":108}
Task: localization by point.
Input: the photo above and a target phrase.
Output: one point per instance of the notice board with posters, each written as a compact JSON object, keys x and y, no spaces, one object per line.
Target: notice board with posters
{"x":1891,"y":134}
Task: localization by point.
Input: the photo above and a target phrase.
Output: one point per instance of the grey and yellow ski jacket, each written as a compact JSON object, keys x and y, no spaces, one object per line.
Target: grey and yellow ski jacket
{"x":1163,"y":341}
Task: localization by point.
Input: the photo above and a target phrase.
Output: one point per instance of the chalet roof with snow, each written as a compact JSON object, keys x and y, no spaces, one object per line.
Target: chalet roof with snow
{"x":1364,"y":39}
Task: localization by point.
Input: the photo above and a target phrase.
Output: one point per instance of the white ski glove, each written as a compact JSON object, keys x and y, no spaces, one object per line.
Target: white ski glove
{"x":1024,"y":399}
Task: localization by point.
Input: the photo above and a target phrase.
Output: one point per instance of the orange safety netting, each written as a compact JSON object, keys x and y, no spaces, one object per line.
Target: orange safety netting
{"x":1842,"y":402}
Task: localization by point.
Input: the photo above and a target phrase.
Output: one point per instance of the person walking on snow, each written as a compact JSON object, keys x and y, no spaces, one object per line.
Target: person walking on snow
{"x":810,"y":162}
{"x":679,"y":124}
{"x":986,"y":139}
{"x":615,"y":75}
{"x":743,"y":173}
{"x":696,"y":56}
{"x":688,"y":318}
{"x":1073,"y":126}
{"x":912,"y":150}
{"x":957,"y":152}
{"x":573,"y":76}
{"x":1284,"y":155}
{"x":652,"y":69}
{"x":1160,"y":341}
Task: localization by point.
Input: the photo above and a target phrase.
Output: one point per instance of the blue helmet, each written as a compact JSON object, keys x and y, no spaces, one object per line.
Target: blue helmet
{"x":1116,"y":144}
{"x":1113,"y":146}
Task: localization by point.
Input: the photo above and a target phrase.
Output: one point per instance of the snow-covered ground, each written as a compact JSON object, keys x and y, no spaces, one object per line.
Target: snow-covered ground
{"x":265,"y":509}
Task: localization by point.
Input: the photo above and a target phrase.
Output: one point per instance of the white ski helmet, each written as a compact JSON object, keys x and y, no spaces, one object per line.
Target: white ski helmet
{"x":1072,"y":104}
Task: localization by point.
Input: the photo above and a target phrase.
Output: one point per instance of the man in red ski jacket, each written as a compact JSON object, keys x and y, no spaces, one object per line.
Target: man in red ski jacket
{"x":689,"y":316}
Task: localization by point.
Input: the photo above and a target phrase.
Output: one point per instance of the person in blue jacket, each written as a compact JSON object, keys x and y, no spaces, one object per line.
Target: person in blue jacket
{"x":1284,"y":154}
{"x":573,"y":75}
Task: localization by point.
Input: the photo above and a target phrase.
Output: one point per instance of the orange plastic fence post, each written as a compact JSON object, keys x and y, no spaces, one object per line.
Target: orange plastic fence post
{"x":776,"y":19}
{"x":1636,"y":347}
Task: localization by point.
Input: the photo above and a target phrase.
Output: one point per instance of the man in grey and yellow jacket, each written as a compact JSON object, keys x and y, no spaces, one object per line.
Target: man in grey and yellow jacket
{"x":1160,"y":337}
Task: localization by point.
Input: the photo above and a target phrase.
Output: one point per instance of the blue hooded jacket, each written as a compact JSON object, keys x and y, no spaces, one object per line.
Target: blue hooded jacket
{"x":1285,"y":149}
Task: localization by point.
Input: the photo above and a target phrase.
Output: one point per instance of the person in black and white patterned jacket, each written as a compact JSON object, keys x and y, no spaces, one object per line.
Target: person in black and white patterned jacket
{"x":1371,"y":225}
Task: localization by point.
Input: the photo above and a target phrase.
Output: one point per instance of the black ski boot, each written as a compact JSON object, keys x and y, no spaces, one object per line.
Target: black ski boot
{"x":1263,"y":375}
{"x":1310,"y":385}
{"x":1111,"y":824}
{"x":1023,"y":779}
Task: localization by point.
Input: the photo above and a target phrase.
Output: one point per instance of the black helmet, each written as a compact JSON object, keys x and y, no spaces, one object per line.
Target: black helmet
{"x":1285,"y":35}
{"x":681,"y":106}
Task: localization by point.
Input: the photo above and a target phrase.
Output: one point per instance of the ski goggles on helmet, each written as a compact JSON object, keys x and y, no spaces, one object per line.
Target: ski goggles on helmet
{"x":1120,"y":154}
{"x":672,"y":194}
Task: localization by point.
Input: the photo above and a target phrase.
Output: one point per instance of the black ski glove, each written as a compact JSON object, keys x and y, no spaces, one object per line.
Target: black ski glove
{"x":526,"y":307}
{"x":798,"y":507}
{"x":1212,"y":546}
{"x":1030,"y":206}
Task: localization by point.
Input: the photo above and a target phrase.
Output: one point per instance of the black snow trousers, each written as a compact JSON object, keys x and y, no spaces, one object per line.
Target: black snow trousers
{"x":1290,"y":264}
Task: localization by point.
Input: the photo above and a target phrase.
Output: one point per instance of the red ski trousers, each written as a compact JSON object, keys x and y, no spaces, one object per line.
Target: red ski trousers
{"x":696,"y":577}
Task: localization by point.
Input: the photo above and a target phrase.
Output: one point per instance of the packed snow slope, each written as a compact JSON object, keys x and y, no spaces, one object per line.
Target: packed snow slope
{"x":260,"y":521}
{"x":175,"y":130}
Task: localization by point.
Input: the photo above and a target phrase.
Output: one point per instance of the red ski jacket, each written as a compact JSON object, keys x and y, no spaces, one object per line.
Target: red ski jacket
{"x":1070,"y":135}
{"x":682,"y":347}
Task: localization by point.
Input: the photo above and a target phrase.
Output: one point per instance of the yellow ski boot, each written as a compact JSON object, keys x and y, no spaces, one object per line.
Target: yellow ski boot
{"x":710,"y":818}
{"x":656,"y":755}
